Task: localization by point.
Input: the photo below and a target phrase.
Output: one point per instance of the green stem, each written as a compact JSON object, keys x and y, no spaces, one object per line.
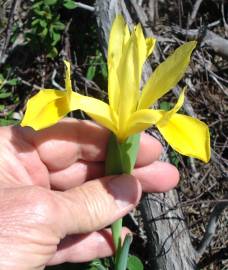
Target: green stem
{"x":116,"y":233}
{"x":120,"y":159}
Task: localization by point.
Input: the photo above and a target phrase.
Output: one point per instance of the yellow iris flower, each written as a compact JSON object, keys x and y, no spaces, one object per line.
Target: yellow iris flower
{"x":128,"y":110}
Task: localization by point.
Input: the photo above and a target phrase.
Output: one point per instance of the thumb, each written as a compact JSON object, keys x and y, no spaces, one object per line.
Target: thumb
{"x":98,"y":203}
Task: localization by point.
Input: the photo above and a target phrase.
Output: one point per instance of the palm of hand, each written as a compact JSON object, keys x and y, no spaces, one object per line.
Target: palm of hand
{"x":44,"y":188}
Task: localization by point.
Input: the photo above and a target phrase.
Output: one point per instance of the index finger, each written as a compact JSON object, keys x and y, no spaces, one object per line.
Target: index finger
{"x":71,"y":140}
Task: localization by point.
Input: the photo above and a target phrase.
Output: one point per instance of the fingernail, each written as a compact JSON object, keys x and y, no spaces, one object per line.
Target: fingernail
{"x":125,"y":189}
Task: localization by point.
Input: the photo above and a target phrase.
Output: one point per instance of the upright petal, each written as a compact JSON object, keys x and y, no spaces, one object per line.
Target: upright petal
{"x":188,"y":136}
{"x":119,"y":36}
{"x":96,"y":109}
{"x":143,"y":49}
{"x":166,"y":75}
{"x":150,"y":44}
{"x":128,"y":77}
{"x":45,"y":109}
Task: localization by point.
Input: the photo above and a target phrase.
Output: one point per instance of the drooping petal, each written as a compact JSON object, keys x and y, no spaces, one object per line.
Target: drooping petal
{"x":188,"y":136}
{"x":68,"y":85}
{"x":45,"y":109}
{"x":166,"y":75}
{"x":96,"y":109}
{"x":139,"y":121}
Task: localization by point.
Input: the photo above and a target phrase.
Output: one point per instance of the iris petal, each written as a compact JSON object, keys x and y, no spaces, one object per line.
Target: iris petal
{"x":128,"y":80}
{"x":45,"y":109}
{"x":119,"y":35}
{"x":188,"y":136}
{"x":166,"y":75}
{"x":95,"y":108}
{"x":167,"y":115}
{"x":150,"y":44}
{"x":141,"y":120}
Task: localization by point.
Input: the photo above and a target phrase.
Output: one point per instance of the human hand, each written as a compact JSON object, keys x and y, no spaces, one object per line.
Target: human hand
{"x":49,"y":210}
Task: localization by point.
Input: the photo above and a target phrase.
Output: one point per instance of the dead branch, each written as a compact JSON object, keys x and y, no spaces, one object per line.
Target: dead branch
{"x":211,"y":227}
{"x":194,"y":12}
{"x":214,"y":41}
{"x":14,"y":9}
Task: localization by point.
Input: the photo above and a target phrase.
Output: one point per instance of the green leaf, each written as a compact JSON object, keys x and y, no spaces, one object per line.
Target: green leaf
{"x":43,"y":34}
{"x":6,"y":122}
{"x":134,"y":263}
{"x":2,"y":107}
{"x":39,"y":12}
{"x":52,"y":53}
{"x":104,"y":70}
{"x":91,"y":72}
{"x":69,"y":4}
{"x":166,"y":106}
{"x":55,"y":37}
{"x":50,"y":2}
{"x":4,"y":95}
{"x":121,"y":263}
{"x":58,"y":26}
{"x":35,"y":22}
{"x":13,"y":82}
{"x":96,"y":265}
{"x":43,"y":23}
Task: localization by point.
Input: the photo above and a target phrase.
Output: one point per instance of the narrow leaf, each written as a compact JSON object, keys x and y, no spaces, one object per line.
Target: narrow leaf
{"x":121,"y":264}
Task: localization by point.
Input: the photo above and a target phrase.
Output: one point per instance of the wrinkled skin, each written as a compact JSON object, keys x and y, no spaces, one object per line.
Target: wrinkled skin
{"x":50,"y":212}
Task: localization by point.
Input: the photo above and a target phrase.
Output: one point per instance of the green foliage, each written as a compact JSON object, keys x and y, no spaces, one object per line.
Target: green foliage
{"x":6,"y":96}
{"x":134,"y":263}
{"x":97,"y":66}
{"x":166,"y":106}
{"x":46,"y":27}
{"x":174,"y":158}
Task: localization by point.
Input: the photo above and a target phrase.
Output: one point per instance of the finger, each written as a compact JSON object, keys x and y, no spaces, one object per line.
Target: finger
{"x":157,"y":177}
{"x":96,"y":204}
{"x":97,"y":245}
{"x":70,"y":140}
{"x":76,"y":174}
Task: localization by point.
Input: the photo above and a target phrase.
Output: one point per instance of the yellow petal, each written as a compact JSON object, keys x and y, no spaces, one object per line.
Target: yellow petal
{"x":188,"y":136}
{"x":68,"y":85}
{"x":167,"y":115}
{"x":128,"y":77}
{"x":144,"y":48}
{"x":116,"y":40}
{"x":150,"y":44}
{"x":166,"y":75}
{"x":113,"y":89}
{"x":141,"y":49}
{"x":119,"y":35}
{"x":140,"y":121}
{"x":96,"y":109}
{"x":45,"y":109}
